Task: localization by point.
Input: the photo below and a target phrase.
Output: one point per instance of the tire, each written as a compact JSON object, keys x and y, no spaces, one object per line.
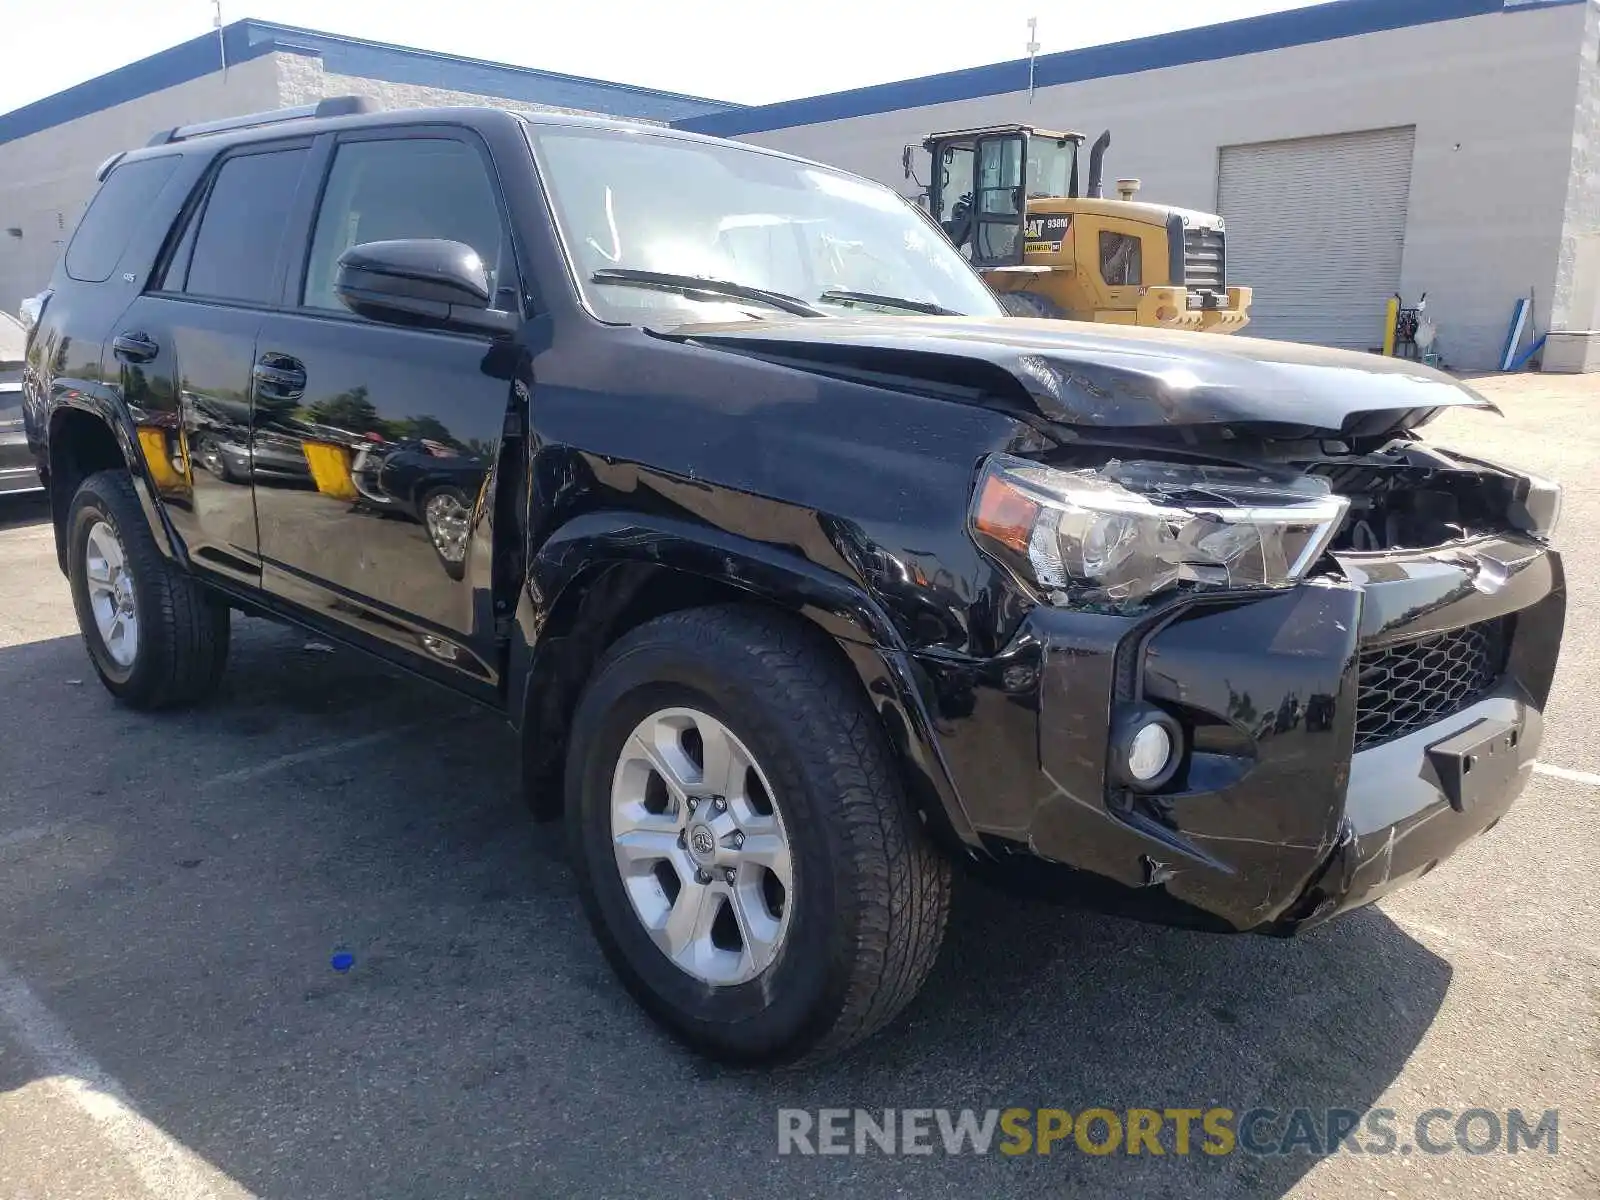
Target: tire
{"x":180,"y":642}
{"x":1030,"y":304}
{"x":869,"y":893}
{"x":451,"y":557}
{"x":212,"y":458}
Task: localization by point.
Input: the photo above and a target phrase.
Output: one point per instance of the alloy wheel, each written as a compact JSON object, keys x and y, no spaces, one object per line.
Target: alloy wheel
{"x":448,"y":520}
{"x":111,"y":595}
{"x":701,"y":847}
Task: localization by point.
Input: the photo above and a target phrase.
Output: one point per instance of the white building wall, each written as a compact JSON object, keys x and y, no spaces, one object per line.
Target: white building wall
{"x":46,"y":178}
{"x":1577,"y":290}
{"x":302,"y":79}
{"x":1493,"y":100}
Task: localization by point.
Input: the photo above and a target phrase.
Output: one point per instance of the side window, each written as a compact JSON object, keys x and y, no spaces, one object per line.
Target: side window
{"x":235,"y":250}
{"x":1120,"y":264}
{"x":412,"y":188}
{"x":122,"y":201}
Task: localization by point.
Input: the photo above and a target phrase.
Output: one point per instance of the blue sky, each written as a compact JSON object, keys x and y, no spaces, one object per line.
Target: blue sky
{"x":749,"y":51}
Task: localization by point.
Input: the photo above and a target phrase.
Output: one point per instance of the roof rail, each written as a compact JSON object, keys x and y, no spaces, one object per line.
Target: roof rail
{"x":333,"y":106}
{"x":104,"y":168}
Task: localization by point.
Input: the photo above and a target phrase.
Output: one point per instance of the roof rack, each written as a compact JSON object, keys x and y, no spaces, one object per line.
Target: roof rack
{"x":333,"y":106}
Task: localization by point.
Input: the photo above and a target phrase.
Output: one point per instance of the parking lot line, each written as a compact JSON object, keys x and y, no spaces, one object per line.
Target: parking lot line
{"x":311,"y":754}
{"x":33,"y":833}
{"x":1568,"y":774}
{"x":166,"y":1168}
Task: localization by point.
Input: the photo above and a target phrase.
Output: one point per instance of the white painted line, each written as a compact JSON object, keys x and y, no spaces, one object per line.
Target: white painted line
{"x":167,"y":1169}
{"x":21,"y":837}
{"x":310,"y":754}
{"x":1567,"y":773}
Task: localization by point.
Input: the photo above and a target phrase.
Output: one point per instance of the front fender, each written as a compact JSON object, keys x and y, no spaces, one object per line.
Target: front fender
{"x":596,"y":565}
{"x":831,"y":600}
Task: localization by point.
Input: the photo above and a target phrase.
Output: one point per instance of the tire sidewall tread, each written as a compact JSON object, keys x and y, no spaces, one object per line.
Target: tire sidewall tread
{"x":183,"y":631}
{"x":870,"y":891}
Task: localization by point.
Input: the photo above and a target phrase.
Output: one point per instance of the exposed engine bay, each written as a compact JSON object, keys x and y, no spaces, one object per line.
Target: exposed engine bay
{"x":1409,"y":496}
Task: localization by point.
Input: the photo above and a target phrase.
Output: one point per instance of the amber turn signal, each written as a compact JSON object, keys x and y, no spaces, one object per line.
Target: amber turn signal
{"x":1005,"y":514}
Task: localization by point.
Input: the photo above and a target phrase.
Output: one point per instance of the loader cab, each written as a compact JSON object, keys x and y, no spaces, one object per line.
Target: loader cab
{"x":980,"y":181}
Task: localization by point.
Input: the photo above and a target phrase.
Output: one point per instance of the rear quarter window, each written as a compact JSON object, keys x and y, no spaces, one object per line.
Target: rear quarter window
{"x":242,"y":226}
{"x":115,"y":212}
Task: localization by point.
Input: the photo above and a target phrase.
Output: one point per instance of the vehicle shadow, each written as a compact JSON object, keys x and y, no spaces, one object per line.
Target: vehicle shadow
{"x":197,"y":871}
{"x":17,"y":512}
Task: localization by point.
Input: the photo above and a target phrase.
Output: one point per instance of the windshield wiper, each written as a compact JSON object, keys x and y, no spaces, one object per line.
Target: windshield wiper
{"x":840,"y":296}
{"x":696,"y":285}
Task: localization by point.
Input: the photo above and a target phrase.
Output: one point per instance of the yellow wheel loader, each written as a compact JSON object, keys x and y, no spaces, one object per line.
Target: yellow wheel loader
{"x":1008,"y":197}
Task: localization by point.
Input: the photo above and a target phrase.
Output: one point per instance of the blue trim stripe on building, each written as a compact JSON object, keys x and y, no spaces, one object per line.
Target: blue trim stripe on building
{"x":405,"y":64}
{"x":1274,"y":31}
{"x":247,"y":39}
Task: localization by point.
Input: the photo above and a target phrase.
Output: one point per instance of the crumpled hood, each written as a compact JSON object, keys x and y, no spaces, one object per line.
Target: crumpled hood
{"x":1110,"y":376}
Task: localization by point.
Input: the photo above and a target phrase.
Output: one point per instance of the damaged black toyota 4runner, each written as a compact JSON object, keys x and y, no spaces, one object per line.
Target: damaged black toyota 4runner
{"x":801,"y":572}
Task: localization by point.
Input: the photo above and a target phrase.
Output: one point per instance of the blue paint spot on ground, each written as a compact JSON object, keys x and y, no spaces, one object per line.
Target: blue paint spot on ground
{"x":342,"y":961}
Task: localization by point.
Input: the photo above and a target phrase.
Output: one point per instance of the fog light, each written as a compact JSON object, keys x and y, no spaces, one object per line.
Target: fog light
{"x":1146,"y":747}
{"x":1149,"y":752}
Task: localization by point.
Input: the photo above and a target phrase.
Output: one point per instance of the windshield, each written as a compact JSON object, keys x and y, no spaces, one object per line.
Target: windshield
{"x":1051,"y":166}
{"x":635,"y":201}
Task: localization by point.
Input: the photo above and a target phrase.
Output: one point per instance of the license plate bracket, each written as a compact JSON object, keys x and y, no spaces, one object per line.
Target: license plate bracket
{"x":1480,"y":760}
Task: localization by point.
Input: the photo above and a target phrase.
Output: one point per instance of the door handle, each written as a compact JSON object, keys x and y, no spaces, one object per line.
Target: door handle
{"x":134,"y":347}
{"x":279,"y":377}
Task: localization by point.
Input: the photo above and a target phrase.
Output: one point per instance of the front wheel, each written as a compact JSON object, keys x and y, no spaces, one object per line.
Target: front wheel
{"x":741,"y":840}
{"x":447,"y":516}
{"x":156,"y":638}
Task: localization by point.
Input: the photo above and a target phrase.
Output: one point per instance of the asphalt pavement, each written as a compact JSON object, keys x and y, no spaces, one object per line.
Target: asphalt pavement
{"x":173,"y":890}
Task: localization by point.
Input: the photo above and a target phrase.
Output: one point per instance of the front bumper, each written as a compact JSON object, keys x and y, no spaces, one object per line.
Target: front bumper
{"x":1400,"y":823}
{"x":1274,"y":821}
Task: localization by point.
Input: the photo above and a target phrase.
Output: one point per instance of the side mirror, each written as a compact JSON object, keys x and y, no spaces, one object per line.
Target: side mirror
{"x":420,"y":281}
{"x":905,"y":161}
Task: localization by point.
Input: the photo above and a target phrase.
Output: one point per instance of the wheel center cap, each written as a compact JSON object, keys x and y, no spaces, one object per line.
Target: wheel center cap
{"x":702,"y":843}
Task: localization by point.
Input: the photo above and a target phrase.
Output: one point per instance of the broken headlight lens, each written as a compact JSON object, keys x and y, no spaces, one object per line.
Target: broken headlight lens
{"x":1126,"y":531}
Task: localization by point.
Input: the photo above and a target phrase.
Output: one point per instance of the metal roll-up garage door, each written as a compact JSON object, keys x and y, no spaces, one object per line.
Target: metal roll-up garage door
{"x":1317,"y":227}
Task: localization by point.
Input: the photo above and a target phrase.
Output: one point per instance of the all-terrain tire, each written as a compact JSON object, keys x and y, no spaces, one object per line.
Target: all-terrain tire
{"x":871,"y":891}
{"x":183,"y":630}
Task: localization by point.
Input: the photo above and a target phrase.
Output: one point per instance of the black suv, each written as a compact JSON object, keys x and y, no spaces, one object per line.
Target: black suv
{"x":801,"y":570}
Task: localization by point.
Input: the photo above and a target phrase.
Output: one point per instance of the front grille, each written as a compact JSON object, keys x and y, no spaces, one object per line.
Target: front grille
{"x":1410,"y":685}
{"x":1205,"y":260}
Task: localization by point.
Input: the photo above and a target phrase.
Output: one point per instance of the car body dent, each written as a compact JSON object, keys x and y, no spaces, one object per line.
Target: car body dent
{"x":1120,"y":377}
{"x":826,"y":466}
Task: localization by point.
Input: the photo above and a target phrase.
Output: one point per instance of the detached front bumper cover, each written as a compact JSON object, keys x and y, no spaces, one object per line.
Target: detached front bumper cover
{"x":1274,"y":822}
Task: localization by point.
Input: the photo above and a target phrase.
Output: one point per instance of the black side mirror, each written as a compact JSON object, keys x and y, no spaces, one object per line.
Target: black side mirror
{"x":420,"y":281}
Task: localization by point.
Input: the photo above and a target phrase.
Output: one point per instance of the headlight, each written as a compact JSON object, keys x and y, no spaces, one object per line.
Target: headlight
{"x":1124,"y":532}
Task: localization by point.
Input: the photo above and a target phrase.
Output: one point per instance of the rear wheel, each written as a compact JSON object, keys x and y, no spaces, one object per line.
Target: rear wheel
{"x":156,"y":638}
{"x":212,"y":458}
{"x":741,"y":840}
{"x":1030,"y":304}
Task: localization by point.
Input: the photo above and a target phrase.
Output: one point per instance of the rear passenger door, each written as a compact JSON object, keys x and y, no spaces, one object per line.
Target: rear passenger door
{"x":185,"y":350}
{"x":400,"y":425}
